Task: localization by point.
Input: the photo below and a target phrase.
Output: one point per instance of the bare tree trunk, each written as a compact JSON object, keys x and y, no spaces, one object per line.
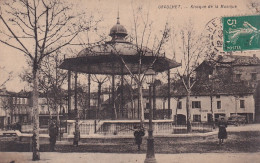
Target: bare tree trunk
{"x":140,"y":90}
{"x":56,"y":90}
{"x":132,"y":100}
{"x":48,"y":106}
{"x":57,"y":111}
{"x":188,"y":111}
{"x":132,"y":105}
{"x":211,"y":109}
{"x":35,"y":95}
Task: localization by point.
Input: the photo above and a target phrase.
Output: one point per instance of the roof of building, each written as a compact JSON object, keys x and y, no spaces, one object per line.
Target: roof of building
{"x":231,"y":60}
{"x":207,"y":89}
{"x":239,"y":60}
{"x":21,"y":94}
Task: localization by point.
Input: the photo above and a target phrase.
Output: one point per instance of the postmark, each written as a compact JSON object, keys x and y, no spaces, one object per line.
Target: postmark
{"x":241,"y":33}
{"x":213,"y":31}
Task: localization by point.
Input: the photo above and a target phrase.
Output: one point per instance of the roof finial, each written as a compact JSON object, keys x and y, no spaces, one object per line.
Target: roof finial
{"x":118,"y":15}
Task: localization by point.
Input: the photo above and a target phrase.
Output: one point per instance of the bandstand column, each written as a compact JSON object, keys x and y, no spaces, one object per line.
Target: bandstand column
{"x":113,"y":98}
{"x":69,"y":94}
{"x":89,"y":96}
{"x":154,"y":101}
{"x":76,"y":94}
{"x":99,"y":101}
{"x":122,"y":92}
{"x":169,"y":94}
{"x":77,"y":132}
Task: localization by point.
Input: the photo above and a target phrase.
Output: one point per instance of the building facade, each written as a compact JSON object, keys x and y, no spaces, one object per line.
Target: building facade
{"x":15,"y":108}
{"x":224,"y":87}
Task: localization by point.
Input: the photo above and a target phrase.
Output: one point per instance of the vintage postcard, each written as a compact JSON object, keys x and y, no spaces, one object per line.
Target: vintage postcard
{"x":129,"y":81}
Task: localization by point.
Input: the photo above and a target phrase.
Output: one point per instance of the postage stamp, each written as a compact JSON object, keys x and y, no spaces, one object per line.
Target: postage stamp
{"x":241,"y":33}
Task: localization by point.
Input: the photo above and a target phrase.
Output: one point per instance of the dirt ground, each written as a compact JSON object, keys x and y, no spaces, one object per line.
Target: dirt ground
{"x":245,"y":141}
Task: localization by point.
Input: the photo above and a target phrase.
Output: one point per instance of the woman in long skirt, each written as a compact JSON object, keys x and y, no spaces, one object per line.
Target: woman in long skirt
{"x":222,"y":134}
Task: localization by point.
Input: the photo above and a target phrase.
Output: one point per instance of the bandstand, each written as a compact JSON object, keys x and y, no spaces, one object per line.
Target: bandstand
{"x":117,"y":57}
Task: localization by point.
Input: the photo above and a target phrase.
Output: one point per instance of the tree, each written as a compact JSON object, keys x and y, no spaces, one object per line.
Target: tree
{"x":51,"y":79}
{"x":129,"y":87}
{"x":83,"y":99}
{"x":100,"y":79}
{"x":38,"y":28}
{"x":192,"y":48}
{"x":142,"y":36}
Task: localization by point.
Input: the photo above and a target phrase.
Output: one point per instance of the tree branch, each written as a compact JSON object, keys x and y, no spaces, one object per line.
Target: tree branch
{"x":17,"y":39}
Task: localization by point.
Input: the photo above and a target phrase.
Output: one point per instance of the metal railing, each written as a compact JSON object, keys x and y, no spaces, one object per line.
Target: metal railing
{"x":127,"y":128}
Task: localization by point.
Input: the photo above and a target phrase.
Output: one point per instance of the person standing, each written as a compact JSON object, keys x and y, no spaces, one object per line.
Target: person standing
{"x":138,"y":133}
{"x":53,"y":133}
{"x":222,"y":133}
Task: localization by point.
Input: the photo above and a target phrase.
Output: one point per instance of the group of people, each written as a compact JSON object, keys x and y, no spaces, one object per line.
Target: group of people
{"x":54,"y":132}
{"x":222,"y":134}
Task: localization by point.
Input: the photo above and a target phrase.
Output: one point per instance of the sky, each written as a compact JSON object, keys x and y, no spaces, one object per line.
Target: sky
{"x":176,"y":12}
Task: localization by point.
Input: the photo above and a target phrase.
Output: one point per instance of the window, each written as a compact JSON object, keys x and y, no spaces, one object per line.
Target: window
{"x":196,"y":104}
{"x":179,"y":105}
{"x":253,"y":76}
{"x":23,"y":101}
{"x":238,"y":76}
{"x":218,"y":104}
{"x":14,"y":100}
{"x":218,"y":96}
{"x":196,"y":118}
{"x":148,"y":105}
{"x":25,"y":119}
{"x":42,"y":109}
{"x":242,"y":103}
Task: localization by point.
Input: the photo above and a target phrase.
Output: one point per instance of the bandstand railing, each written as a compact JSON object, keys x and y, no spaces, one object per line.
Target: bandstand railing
{"x":126,"y":127}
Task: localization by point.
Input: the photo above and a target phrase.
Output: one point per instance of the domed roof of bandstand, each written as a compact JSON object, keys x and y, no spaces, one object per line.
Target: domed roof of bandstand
{"x":118,"y":31}
{"x":108,"y":58}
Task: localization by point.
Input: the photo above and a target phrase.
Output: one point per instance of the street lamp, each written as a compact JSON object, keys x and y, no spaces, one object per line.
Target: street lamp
{"x":150,"y":157}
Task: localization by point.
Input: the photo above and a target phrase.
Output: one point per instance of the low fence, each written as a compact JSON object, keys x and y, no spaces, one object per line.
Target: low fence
{"x":45,"y":130}
{"x":123,"y":127}
{"x":127,"y":127}
{"x":196,"y":127}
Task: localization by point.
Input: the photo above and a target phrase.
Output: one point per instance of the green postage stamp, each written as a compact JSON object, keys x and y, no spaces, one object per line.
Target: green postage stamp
{"x":241,"y":33}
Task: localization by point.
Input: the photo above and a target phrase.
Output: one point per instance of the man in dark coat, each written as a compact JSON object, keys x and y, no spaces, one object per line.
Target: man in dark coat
{"x":222,"y":134}
{"x":53,"y":133}
{"x":138,"y":133}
